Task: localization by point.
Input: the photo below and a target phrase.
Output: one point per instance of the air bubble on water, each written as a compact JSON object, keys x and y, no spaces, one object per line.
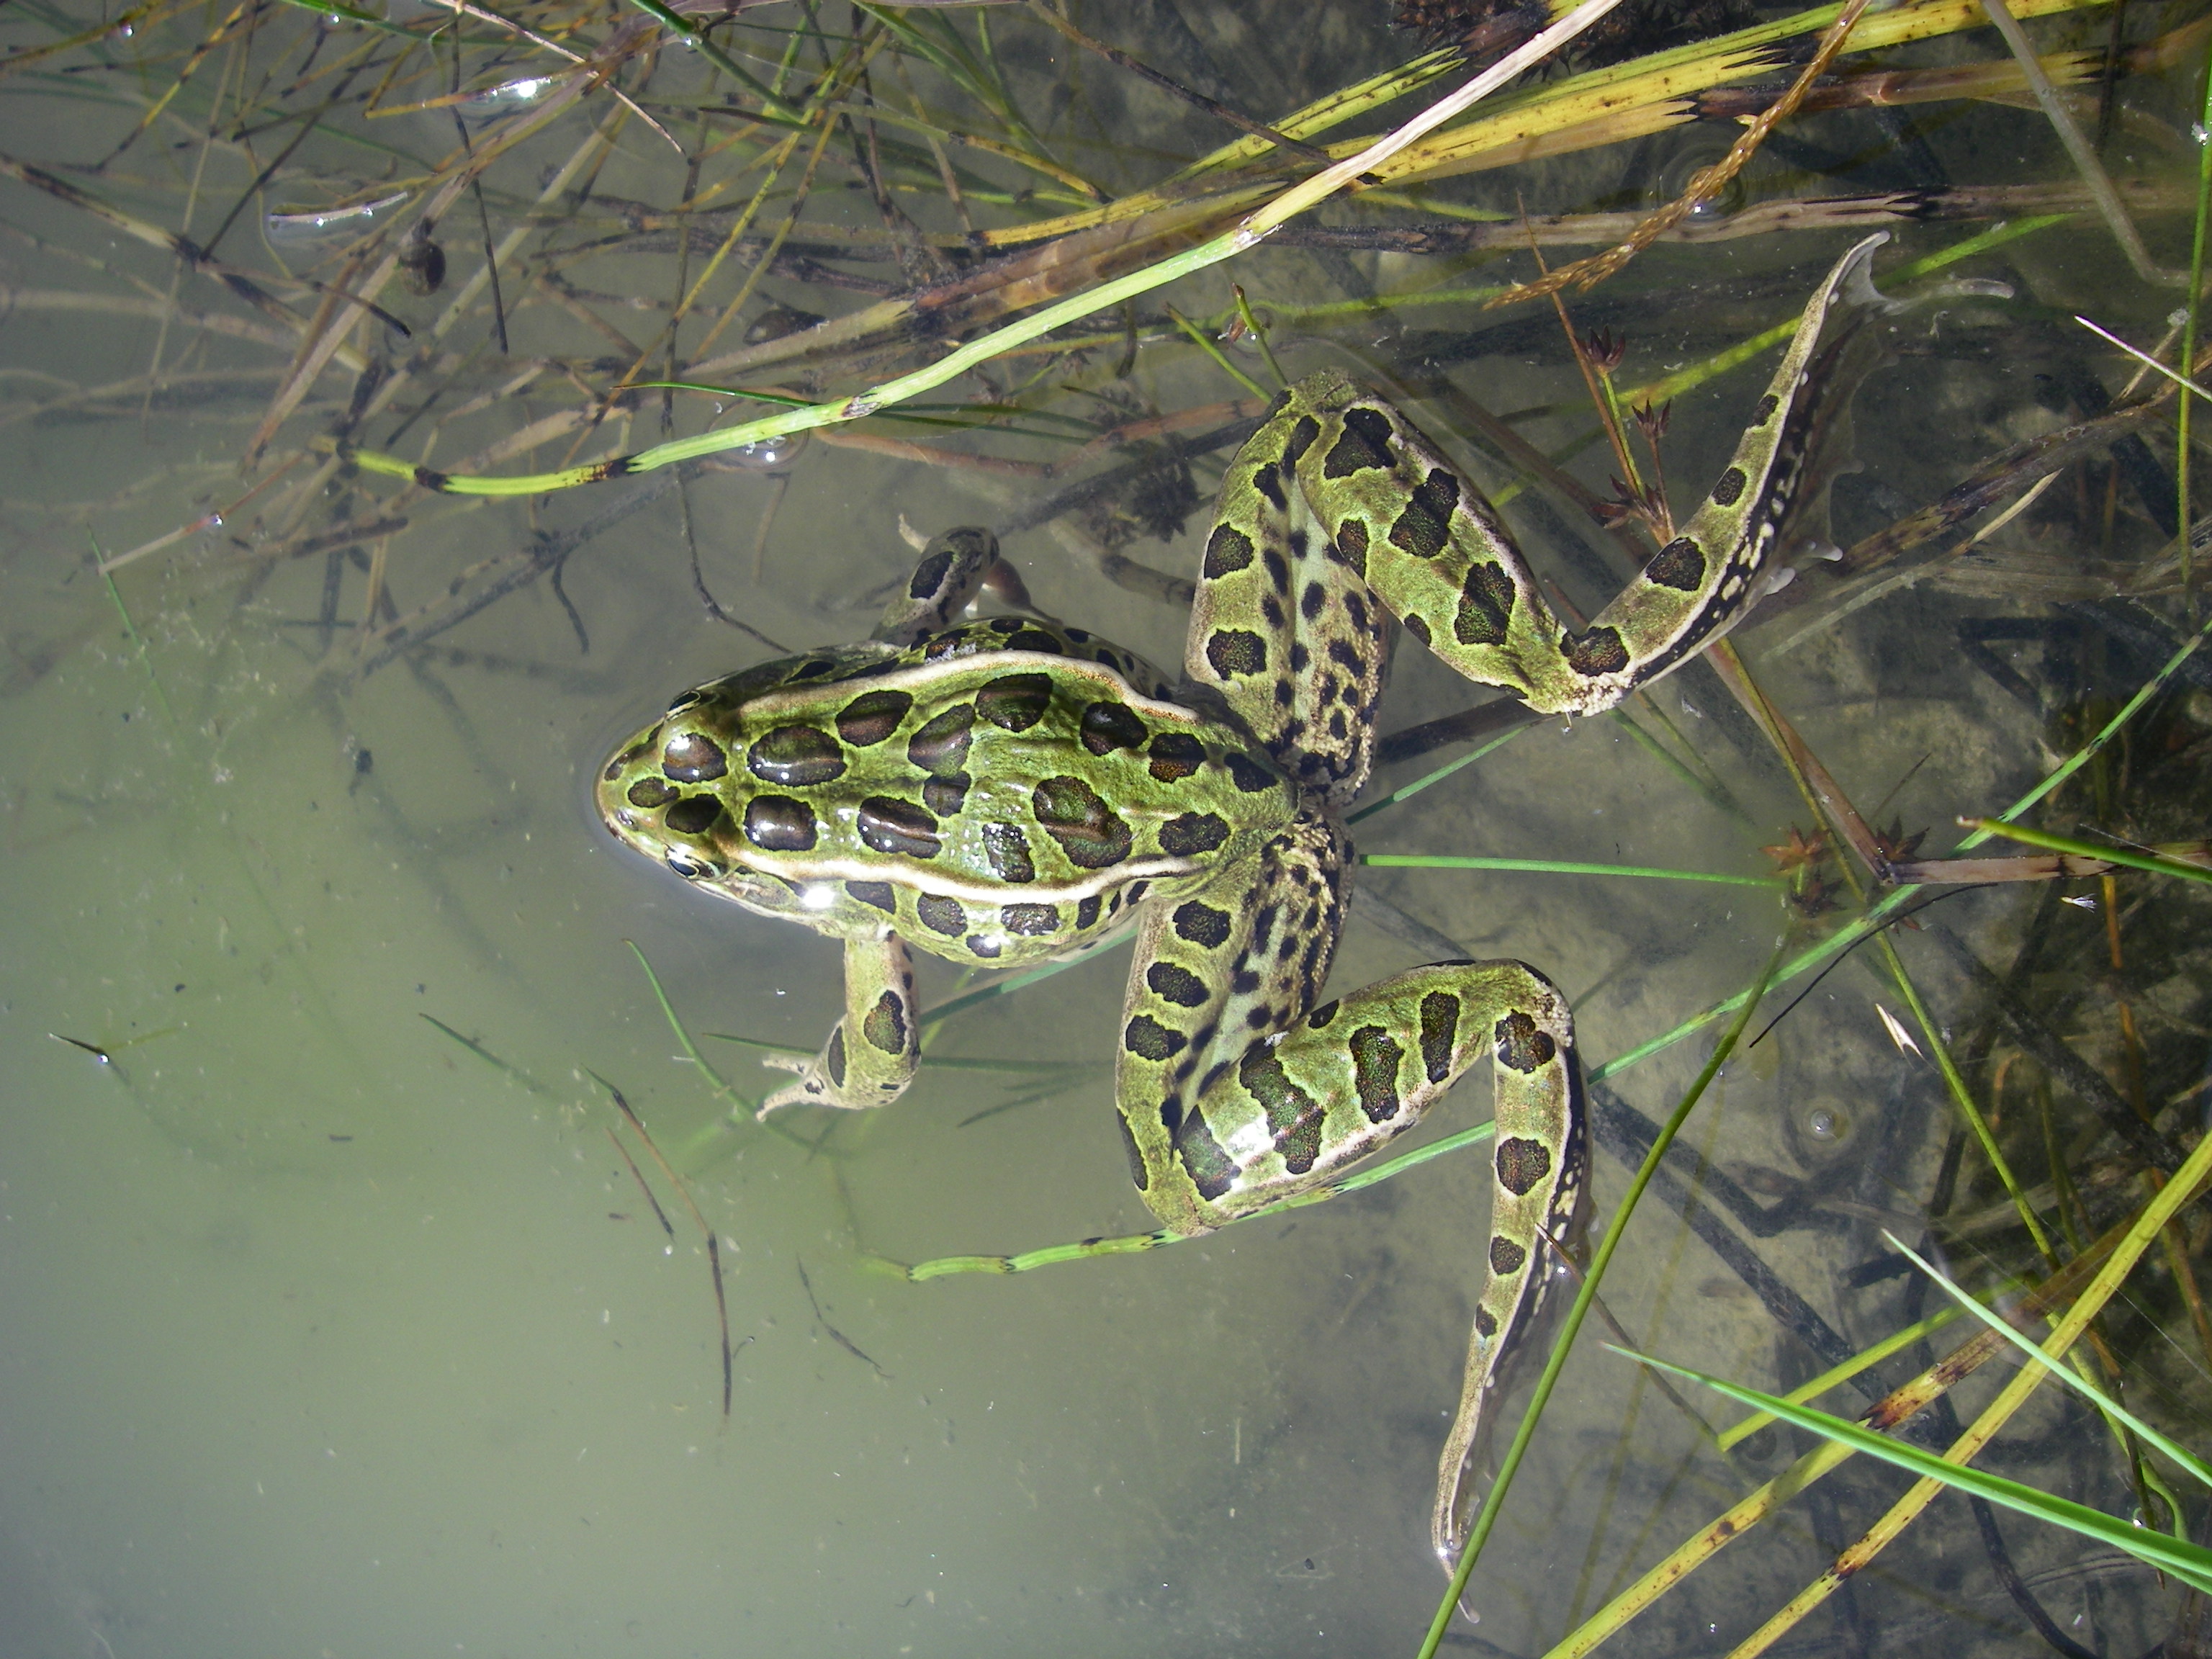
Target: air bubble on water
{"x":770,"y":454}
{"x":306,"y":224}
{"x":507,"y":95}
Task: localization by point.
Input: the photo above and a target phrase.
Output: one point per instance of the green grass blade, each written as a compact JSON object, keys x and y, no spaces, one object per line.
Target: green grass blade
{"x":505,"y":1067}
{"x":2080,"y":1385}
{"x":2157,"y":863}
{"x":2188,"y":1562}
{"x":1408,"y":791}
{"x":1563,"y":868}
{"x":740,"y":1106}
{"x":1866,"y":1359}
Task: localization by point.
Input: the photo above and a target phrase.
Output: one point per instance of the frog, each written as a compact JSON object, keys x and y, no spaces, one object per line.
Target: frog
{"x":1002,"y":790}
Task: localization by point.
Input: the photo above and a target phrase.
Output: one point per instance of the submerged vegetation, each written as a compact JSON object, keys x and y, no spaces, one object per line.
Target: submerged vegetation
{"x":460,"y":298}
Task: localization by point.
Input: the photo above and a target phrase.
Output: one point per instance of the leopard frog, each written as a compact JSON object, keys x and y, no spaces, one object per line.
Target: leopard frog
{"x":1002,"y":791}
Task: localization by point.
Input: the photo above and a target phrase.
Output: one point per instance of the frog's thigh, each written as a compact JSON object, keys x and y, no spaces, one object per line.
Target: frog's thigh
{"x":951,"y":569}
{"x":871,"y":1055}
{"x":1246,"y":954}
{"x":1356,"y":1072}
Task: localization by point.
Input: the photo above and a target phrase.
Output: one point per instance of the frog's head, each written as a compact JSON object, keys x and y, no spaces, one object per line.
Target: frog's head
{"x":664,"y":791}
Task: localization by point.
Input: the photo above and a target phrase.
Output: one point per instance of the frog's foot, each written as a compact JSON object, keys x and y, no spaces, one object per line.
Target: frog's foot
{"x":812,"y":1089}
{"x":854,"y":1072}
{"x":849,"y":1082}
{"x":816,"y":1085}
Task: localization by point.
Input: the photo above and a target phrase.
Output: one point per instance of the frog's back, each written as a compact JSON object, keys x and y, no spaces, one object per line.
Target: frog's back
{"x":1007,"y":771}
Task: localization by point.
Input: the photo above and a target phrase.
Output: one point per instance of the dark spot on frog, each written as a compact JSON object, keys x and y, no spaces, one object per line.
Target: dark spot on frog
{"x":1365,"y":444}
{"x":941,"y":914}
{"x":1227,"y":551}
{"x":1201,"y":924}
{"x":877,"y":893}
{"x":1008,"y":850}
{"x":1146,"y":1038}
{"x":796,"y":756}
{"x":1681,"y":564}
{"x":1089,"y":833}
{"x":777,"y":823}
{"x":1177,"y":985}
{"x":695,"y":814}
{"x":929,"y":575}
{"x":1015,"y":703}
{"x":1106,"y":726}
{"x":1193,"y":833}
{"x":940,"y":747}
{"x":946,"y":796}
{"x":872,"y":716}
{"x":694,"y":757}
{"x":898,"y":828}
{"x":1232,"y":651}
{"x":1268,"y":481}
{"x":1175,"y":755}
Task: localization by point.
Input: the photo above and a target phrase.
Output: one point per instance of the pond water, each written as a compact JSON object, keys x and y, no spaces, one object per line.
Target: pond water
{"x":345,"y":1312}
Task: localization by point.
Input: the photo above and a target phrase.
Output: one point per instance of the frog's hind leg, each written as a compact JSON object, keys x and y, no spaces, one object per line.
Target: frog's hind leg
{"x":1246,"y":954}
{"x":1282,"y":626}
{"x":1302,"y":1105}
{"x":872,"y":1053}
{"x":1338,"y":470}
{"x":953,"y":568}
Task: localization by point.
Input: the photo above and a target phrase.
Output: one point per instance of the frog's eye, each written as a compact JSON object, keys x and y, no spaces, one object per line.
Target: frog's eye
{"x":688,"y":867}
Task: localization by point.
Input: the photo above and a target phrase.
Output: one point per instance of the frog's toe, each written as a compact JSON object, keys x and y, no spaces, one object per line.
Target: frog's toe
{"x":811,"y":1089}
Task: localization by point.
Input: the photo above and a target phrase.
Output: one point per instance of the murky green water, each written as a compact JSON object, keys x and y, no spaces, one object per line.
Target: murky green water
{"x":335,"y":1323}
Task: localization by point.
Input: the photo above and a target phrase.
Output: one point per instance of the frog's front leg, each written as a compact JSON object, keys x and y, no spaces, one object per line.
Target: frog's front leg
{"x":872,"y":1053}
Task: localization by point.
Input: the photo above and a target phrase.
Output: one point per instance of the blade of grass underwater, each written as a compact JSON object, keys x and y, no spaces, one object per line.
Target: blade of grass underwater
{"x":1560,"y":867}
{"x":1407,"y":791}
{"x":2081,"y":1385}
{"x":1884,"y":910}
{"x":507,"y":1068}
{"x":1049,"y":1254}
{"x":1864,"y":1360}
{"x":2156,"y":863}
{"x":1857,"y":1557}
{"x":1254,"y":229}
{"x":2188,"y":1562}
{"x":738,"y":1104}
{"x":1901,"y":1404}
{"x":2189,"y":349}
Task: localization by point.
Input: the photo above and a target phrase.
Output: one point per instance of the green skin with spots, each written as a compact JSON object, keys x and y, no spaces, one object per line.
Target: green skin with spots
{"x":1008,"y":790}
